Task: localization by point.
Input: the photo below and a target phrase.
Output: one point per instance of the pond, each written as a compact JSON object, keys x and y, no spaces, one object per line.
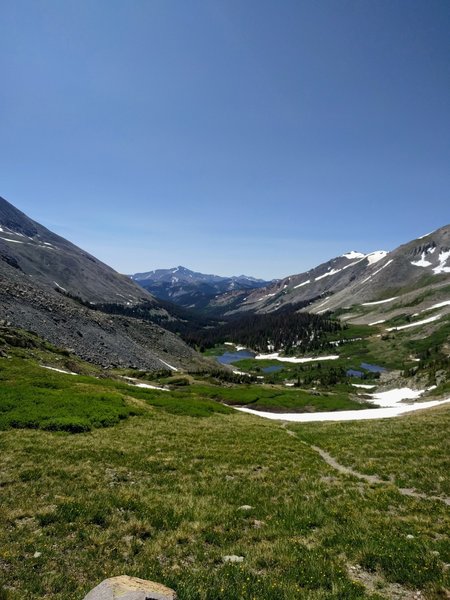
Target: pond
{"x":272,"y":369}
{"x":373,"y":368}
{"x":354,"y":373}
{"x":230,"y":357}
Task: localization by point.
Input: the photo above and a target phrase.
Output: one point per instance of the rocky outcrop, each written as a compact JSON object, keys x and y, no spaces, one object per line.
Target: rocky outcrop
{"x":130,"y":588}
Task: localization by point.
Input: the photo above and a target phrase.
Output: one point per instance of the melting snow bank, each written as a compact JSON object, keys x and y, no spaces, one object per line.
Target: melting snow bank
{"x":293,"y":359}
{"x":58,"y":370}
{"x":236,"y":372}
{"x":379,"y":301}
{"x":237,"y":346}
{"x":167,"y":365}
{"x":136,"y":383}
{"x":390,"y":403}
{"x":423,"y":322}
{"x":363,"y":385}
{"x":391,"y":398}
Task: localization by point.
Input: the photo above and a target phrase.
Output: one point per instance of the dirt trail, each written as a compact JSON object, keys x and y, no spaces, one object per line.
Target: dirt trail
{"x":373,"y":479}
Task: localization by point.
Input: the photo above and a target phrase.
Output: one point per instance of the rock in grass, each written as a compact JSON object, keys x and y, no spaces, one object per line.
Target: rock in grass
{"x":245,"y":507}
{"x":130,"y":588}
{"x":233,"y":558}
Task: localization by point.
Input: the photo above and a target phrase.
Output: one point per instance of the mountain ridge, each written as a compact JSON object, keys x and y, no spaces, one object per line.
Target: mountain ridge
{"x":192,"y":289}
{"x":53,"y":288}
{"x":351,"y":278}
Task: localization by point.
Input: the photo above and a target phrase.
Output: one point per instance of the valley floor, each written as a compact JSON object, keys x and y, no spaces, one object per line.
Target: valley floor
{"x":167,"y":497}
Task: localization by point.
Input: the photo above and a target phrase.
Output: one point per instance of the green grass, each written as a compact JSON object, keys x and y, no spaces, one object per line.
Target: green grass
{"x":158,"y":497}
{"x":40,"y":399}
{"x":282,"y":400}
{"x":389,"y":448}
{"x":37,"y":398}
{"x":438,"y":337}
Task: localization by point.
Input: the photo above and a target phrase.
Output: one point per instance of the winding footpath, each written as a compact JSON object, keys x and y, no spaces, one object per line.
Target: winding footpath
{"x":372,"y":479}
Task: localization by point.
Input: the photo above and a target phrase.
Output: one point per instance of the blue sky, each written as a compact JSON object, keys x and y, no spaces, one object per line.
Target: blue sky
{"x":232,"y":136}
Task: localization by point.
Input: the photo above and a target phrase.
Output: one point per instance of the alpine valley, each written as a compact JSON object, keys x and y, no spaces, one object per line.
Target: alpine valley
{"x":229,"y":437}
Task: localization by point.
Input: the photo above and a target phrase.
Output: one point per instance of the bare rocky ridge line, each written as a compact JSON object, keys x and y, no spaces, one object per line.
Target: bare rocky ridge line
{"x":58,"y":291}
{"x":352,"y":278}
{"x":372,"y":479}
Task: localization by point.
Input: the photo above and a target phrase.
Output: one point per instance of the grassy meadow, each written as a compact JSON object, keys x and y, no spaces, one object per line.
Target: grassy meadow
{"x":165,"y":485}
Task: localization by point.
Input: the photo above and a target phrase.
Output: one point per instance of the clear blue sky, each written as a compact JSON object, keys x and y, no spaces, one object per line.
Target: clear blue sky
{"x":229,"y":136}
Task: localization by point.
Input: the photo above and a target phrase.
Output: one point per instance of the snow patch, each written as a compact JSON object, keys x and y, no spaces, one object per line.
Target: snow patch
{"x":60,"y":286}
{"x":293,"y":359}
{"x":266,"y":296}
{"x":139,"y":384}
{"x":167,"y":365}
{"x":302,"y":284}
{"x":442,"y":268}
{"x":332,"y":272}
{"x":374,"y":257}
{"x":377,"y":271}
{"x":353,"y":254}
{"x":391,"y":406}
{"x":438,"y":305}
{"x":392,"y":397}
{"x":423,"y":322}
{"x":379,"y":301}
{"x":58,"y":370}
{"x":236,"y":372}
{"x":383,"y":267}
{"x":13,"y":241}
{"x":363,"y":386}
{"x":422,"y":262}
{"x":149,"y":387}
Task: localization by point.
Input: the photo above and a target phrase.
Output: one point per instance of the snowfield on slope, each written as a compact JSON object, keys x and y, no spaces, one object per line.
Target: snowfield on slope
{"x":379,"y":301}
{"x":58,"y":370}
{"x":390,"y":405}
{"x":423,"y":322}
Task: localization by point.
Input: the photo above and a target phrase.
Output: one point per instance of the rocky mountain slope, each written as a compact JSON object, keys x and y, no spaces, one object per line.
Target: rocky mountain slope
{"x":53,"y":288}
{"x":355,"y":279}
{"x":191,"y":289}
{"x":56,"y":262}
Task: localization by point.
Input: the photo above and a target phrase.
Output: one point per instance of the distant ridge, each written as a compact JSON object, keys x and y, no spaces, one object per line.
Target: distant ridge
{"x":352,"y":278}
{"x":191,"y":289}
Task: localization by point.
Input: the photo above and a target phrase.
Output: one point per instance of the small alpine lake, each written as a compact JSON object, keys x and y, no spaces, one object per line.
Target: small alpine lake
{"x":227,"y":358}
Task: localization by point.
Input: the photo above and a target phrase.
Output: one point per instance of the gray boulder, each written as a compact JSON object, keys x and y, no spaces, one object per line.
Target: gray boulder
{"x":130,"y":588}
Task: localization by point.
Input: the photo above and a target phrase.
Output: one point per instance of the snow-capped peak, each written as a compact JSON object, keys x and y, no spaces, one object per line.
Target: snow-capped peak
{"x":353,"y":254}
{"x":374,"y":257}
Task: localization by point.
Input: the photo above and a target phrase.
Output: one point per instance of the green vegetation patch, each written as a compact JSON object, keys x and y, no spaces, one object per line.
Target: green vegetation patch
{"x":33,"y":397}
{"x":282,"y":400}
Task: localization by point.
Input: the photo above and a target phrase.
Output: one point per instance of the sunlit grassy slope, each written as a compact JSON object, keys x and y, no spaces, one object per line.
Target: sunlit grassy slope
{"x":157,"y":494}
{"x":100,"y":478}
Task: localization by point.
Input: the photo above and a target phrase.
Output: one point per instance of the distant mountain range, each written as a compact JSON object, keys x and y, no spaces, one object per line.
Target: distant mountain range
{"x":191,"y":289}
{"x":57,"y":290}
{"x":53,"y":288}
{"x":421,"y":266}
